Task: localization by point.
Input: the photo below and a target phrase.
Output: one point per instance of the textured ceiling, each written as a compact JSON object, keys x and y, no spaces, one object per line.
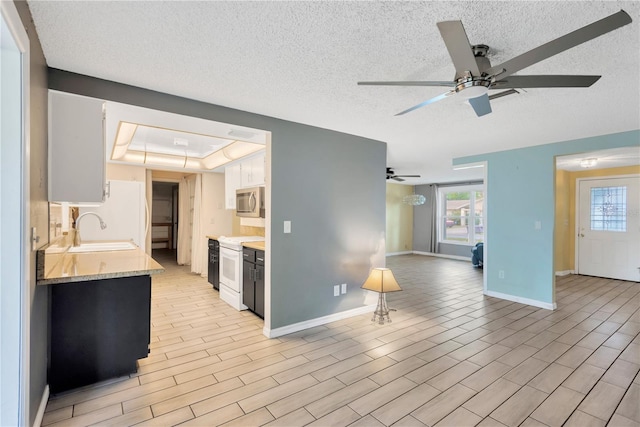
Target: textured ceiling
{"x":300,"y":61}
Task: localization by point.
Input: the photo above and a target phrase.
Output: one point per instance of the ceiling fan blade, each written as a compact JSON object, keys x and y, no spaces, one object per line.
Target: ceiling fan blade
{"x":409,"y":176}
{"x":395,"y":178}
{"x":427,"y":102}
{"x":560,"y":44}
{"x":408,"y":83}
{"x":545,"y":81}
{"x":503,"y":93}
{"x":455,"y":38}
{"x":481,"y":105}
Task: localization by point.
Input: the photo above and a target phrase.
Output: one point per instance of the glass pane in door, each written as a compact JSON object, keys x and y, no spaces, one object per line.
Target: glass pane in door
{"x":609,"y":209}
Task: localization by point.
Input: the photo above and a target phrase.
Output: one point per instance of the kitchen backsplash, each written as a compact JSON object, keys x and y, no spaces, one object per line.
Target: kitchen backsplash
{"x":55,"y":221}
{"x":246,"y":230}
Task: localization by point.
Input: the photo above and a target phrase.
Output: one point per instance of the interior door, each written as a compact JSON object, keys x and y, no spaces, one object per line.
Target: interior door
{"x":609,"y":228}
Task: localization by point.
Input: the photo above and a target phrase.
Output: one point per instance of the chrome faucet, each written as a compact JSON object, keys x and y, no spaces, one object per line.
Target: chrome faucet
{"x":76,"y":238}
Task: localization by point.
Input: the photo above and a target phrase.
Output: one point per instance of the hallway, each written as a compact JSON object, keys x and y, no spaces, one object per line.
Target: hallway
{"x":450,"y":357}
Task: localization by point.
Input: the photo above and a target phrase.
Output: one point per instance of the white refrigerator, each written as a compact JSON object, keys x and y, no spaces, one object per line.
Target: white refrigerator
{"x":124,"y":211}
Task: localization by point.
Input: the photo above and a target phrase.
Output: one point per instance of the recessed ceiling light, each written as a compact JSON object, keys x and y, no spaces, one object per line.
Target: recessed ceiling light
{"x":239,"y":133}
{"x":181,"y":142}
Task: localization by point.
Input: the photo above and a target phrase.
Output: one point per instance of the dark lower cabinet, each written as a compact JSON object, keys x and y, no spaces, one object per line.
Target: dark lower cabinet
{"x":213,"y":272}
{"x":253,"y":280}
{"x":259,"y":284}
{"x":98,"y":330}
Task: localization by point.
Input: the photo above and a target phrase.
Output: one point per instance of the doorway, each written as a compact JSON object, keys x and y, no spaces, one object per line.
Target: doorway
{"x":608,"y":219}
{"x":164,"y":217}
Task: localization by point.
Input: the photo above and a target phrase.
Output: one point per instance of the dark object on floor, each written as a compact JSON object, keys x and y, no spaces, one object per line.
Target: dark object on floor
{"x":476,"y":258}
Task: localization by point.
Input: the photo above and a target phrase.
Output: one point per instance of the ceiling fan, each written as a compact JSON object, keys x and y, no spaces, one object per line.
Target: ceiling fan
{"x":392,"y":175}
{"x":475,"y":76}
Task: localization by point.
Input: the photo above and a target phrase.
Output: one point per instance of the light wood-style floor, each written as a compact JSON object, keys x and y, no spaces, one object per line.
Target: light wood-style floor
{"x":451,"y":357}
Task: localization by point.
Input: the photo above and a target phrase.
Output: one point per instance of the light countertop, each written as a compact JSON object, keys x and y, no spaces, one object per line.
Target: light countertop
{"x":254,"y":245}
{"x":63,"y":267}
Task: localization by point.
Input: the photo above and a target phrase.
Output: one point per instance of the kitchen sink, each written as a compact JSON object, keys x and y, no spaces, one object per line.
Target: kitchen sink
{"x":102,"y":246}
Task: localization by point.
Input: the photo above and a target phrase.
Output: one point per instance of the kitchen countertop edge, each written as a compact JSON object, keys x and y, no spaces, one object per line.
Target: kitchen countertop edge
{"x":254,"y":245}
{"x":126,"y":271}
{"x":91,"y":277}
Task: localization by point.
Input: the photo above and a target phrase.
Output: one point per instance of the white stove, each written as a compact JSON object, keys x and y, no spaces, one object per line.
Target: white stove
{"x":231,"y":268}
{"x":235,"y":242}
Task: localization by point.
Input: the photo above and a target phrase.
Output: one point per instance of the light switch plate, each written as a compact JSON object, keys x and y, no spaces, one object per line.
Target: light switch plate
{"x":344,"y":288}
{"x":336,"y":290}
{"x":287,"y":226}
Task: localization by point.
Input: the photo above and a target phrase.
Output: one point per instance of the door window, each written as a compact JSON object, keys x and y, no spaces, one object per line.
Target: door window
{"x":608,"y":209}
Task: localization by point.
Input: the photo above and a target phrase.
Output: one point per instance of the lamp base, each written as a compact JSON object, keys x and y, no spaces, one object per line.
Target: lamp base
{"x":382,"y":311}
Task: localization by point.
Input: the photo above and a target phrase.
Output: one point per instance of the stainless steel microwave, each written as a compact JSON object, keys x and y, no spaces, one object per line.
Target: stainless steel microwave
{"x":250,"y":202}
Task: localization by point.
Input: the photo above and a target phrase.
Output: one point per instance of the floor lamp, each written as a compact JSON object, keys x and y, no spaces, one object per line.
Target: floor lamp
{"x":381,"y":280}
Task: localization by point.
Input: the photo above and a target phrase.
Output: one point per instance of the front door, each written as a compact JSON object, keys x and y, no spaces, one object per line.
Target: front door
{"x":609,"y":228}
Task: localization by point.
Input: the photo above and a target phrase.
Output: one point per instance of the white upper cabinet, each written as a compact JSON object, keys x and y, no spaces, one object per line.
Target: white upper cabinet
{"x":232,"y":181}
{"x":76,"y":148}
{"x":246,"y":173}
{"x":252,"y":171}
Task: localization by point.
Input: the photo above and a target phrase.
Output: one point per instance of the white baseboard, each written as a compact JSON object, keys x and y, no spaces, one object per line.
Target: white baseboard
{"x":565,"y":272}
{"x":289,"y":329}
{"x":43,"y":405}
{"x":399,"y":253}
{"x":521,"y":300}
{"x":456,"y":257}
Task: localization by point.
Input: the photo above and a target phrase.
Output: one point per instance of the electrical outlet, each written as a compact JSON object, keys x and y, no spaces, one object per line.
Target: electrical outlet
{"x":287,"y":227}
{"x":501,"y":274}
{"x":336,"y":290}
{"x":344,"y":288}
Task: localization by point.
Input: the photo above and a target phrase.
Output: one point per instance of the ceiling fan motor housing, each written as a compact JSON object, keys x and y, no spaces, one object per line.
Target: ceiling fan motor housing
{"x":473,"y":86}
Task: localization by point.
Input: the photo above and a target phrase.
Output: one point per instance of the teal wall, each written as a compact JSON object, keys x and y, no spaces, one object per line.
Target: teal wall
{"x":520,"y":191}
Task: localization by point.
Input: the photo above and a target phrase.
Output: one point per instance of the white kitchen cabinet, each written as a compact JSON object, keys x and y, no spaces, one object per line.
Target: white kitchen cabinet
{"x":246,"y":173}
{"x":257,"y":169}
{"x":252,"y":171}
{"x":232,"y":179}
{"x":76,"y":148}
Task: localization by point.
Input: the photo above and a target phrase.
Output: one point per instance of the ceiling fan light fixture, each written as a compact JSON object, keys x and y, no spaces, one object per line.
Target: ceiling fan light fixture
{"x":473,"y":88}
{"x":588,"y":163}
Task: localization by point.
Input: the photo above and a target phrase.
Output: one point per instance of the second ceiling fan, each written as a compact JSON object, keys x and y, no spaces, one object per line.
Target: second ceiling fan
{"x":475,"y":76}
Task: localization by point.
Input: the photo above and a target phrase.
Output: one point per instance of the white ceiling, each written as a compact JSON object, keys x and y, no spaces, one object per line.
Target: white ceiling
{"x":300,"y":61}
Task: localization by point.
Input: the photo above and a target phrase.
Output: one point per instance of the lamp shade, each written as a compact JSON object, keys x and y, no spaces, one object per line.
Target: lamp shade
{"x":381,"y":280}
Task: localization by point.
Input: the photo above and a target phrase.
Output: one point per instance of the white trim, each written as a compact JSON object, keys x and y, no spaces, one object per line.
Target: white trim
{"x":456,"y":257}
{"x":13,"y":21}
{"x":577,"y":212}
{"x":469,"y":166}
{"x":399,"y":253}
{"x":565,"y":272}
{"x":521,"y":300}
{"x":486,"y":225}
{"x":289,"y":329}
{"x":43,"y":405}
